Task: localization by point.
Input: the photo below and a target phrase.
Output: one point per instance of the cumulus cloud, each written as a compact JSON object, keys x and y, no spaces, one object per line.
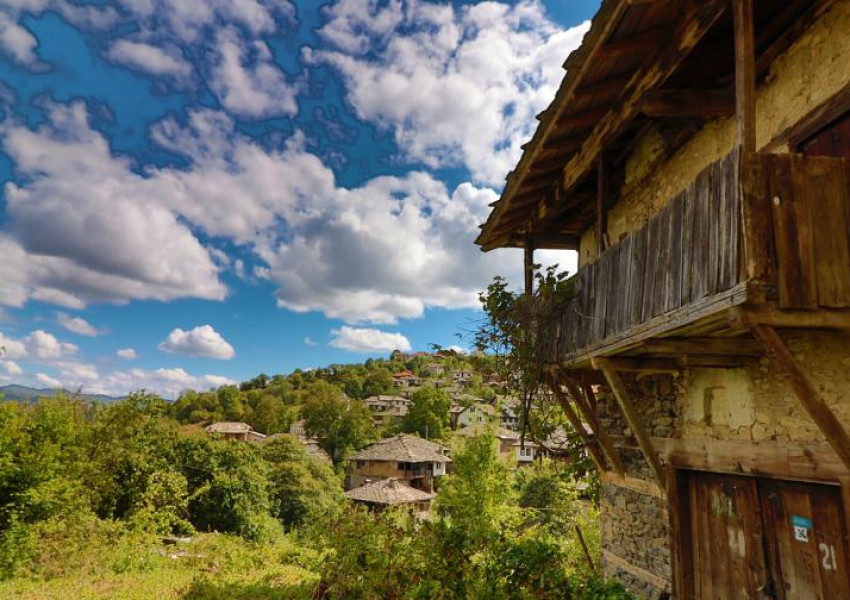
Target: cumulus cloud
{"x":455,"y":85}
{"x":149,"y":58}
{"x":17,"y":42}
{"x":40,"y":344}
{"x":203,"y":341}
{"x":246,"y":80}
{"x":387,"y":249}
{"x":127,"y":353}
{"x":367,"y":340}
{"x":84,"y":226}
{"x":77,"y":325}
{"x":11,"y":367}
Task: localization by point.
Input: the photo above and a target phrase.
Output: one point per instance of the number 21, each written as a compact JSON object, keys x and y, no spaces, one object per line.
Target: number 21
{"x":829,"y":563}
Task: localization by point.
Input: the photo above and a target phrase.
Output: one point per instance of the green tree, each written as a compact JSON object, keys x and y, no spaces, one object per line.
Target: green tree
{"x":428,"y":414}
{"x":379,"y":381}
{"x":339,"y":423}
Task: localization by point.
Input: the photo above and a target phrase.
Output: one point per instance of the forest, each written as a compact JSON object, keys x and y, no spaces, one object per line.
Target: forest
{"x":134,"y":499}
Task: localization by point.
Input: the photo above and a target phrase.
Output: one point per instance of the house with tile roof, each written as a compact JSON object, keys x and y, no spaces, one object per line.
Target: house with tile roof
{"x":392,"y":491}
{"x":408,"y":457}
{"x":234,"y":430}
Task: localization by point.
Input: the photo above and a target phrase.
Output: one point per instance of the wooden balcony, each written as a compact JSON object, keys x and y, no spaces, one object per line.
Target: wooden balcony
{"x":765,"y":235}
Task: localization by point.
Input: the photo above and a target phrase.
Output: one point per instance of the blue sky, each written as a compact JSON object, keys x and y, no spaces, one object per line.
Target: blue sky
{"x":196,"y":192}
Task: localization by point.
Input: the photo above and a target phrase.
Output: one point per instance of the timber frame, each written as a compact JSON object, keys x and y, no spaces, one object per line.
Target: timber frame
{"x":721,"y":274}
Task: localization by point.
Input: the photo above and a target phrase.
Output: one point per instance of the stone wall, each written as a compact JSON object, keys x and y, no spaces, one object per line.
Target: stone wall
{"x":812,"y":70}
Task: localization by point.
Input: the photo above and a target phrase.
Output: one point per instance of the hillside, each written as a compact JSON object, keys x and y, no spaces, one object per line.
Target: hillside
{"x":22,"y":393}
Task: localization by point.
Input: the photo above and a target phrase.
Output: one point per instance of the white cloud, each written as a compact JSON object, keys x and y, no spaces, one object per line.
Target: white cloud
{"x":17,"y":41}
{"x":11,"y":367}
{"x":77,"y":325}
{"x":40,"y":344}
{"x":368,"y":340}
{"x":85,"y":227}
{"x":456,"y":86}
{"x":150,"y":58}
{"x":201,"y":341}
{"x":48,"y":381}
{"x":12,"y":348}
{"x":308,"y":341}
{"x":246,"y":80}
{"x":127,"y":353}
{"x":166,"y":381}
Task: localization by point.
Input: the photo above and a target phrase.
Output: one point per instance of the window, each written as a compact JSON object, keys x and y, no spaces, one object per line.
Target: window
{"x":361,"y":464}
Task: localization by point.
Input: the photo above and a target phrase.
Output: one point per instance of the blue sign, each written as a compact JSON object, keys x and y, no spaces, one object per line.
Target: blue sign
{"x":798,"y":521}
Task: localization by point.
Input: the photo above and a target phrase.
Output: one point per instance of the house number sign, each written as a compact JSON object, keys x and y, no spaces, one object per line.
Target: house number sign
{"x":802,"y":526}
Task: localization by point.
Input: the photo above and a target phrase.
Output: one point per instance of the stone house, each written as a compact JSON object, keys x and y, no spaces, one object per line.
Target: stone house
{"x":472,"y":414}
{"x":406,"y":379}
{"x":234,"y":430}
{"x":406,"y":457}
{"x":696,"y":157}
{"x":510,"y":443}
{"x":392,"y":491}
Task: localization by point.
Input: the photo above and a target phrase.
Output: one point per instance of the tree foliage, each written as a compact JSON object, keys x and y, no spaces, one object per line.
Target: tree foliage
{"x":428,"y":414}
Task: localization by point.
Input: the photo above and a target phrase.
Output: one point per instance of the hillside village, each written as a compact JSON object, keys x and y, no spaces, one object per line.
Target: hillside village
{"x":394,"y":462}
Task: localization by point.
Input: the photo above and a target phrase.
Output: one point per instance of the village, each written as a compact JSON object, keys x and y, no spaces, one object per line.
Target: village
{"x":404,"y":469}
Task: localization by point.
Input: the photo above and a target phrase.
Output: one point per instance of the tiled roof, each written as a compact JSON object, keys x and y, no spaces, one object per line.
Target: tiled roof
{"x":403,"y":448}
{"x":388,"y":491}
{"x":228,"y":427}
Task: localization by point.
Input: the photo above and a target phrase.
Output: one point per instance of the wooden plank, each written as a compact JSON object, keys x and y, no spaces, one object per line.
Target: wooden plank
{"x":601,"y":435}
{"x":704,"y":345}
{"x":688,"y":204}
{"x":801,"y":233}
{"x":650,"y":262}
{"x":745,"y":75}
{"x":795,"y":278}
{"x":674,"y":266}
{"x":705,"y":104}
{"x":742,"y":317}
{"x":641,"y":486}
{"x":755,"y":219}
{"x":576,"y":423}
{"x":680,"y":543}
{"x":806,"y":392}
{"x":614,"y":291}
{"x":702,"y":228}
{"x":731,"y":209}
{"x":827,"y":212}
{"x":656,"y":581}
{"x":632,"y":417}
{"x":625,"y":284}
{"x":638,"y":276}
{"x":600,"y":292}
{"x":601,"y":208}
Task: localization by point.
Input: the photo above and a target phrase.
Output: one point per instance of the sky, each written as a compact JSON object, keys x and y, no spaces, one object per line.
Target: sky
{"x":193,"y":192}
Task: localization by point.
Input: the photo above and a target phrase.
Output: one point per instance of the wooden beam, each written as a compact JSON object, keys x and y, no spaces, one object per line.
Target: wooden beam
{"x":637,"y":44}
{"x":745,"y":75}
{"x":705,"y":104}
{"x":576,"y":423}
{"x":808,"y":395}
{"x":618,"y":388}
{"x":529,"y":265}
{"x":601,"y":210}
{"x":695,"y":20}
{"x":676,"y":364}
{"x":747,"y":317}
{"x":607,"y":87}
{"x":704,"y":345}
{"x":599,"y":432}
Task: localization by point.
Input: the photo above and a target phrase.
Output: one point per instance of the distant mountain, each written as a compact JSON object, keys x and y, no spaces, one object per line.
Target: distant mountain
{"x":22,"y":393}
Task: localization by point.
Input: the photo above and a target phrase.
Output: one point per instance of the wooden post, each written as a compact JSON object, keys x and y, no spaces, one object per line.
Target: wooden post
{"x":529,"y":265}
{"x":601,"y":434}
{"x":601,"y":195}
{"x":745,"y":75}
{"x":584,"y":547}
{"x":820,"y":413}
{"x":576,"y":423}
{"x":633,"y":419}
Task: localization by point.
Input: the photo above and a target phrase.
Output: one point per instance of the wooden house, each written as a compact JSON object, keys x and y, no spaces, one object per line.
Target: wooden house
{"x":697,"y":156}
{"x":392,"y":491}
{"x":235,"y":430}
{"x":406,"y":457}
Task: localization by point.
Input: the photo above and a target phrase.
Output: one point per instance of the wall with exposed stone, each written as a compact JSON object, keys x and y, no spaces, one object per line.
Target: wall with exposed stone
{"x":812,"y":70}
{"x":754,"y":403}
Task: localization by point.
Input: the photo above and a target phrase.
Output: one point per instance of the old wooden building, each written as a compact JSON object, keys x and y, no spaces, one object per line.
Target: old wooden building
{"x":697,"y":156}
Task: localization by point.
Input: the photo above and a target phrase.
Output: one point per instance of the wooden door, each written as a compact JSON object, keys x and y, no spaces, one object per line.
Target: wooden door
{"x":724,"y":530}
{"x":806,"y":540}
{"x":748,"y":537}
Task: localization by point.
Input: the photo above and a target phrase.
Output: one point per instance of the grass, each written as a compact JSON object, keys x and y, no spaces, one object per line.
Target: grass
{"x":211,"y":567}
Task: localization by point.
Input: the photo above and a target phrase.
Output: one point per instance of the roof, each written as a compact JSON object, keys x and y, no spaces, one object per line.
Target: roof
{"x":631,"y":68}
{"x":403,"y":448}
{"x":403,"y":374}
{"x":502,"y":433}
{"x":388,"y":491}
{"x":229,"y":427}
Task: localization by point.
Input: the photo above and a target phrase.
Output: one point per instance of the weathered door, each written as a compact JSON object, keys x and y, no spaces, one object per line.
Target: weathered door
{"x":749,"y":537}
{"x":806,"y":540}
{"x":726,"y":537}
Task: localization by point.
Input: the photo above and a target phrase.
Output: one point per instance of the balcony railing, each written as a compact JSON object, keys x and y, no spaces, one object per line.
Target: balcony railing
{"x":687,"y":263}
